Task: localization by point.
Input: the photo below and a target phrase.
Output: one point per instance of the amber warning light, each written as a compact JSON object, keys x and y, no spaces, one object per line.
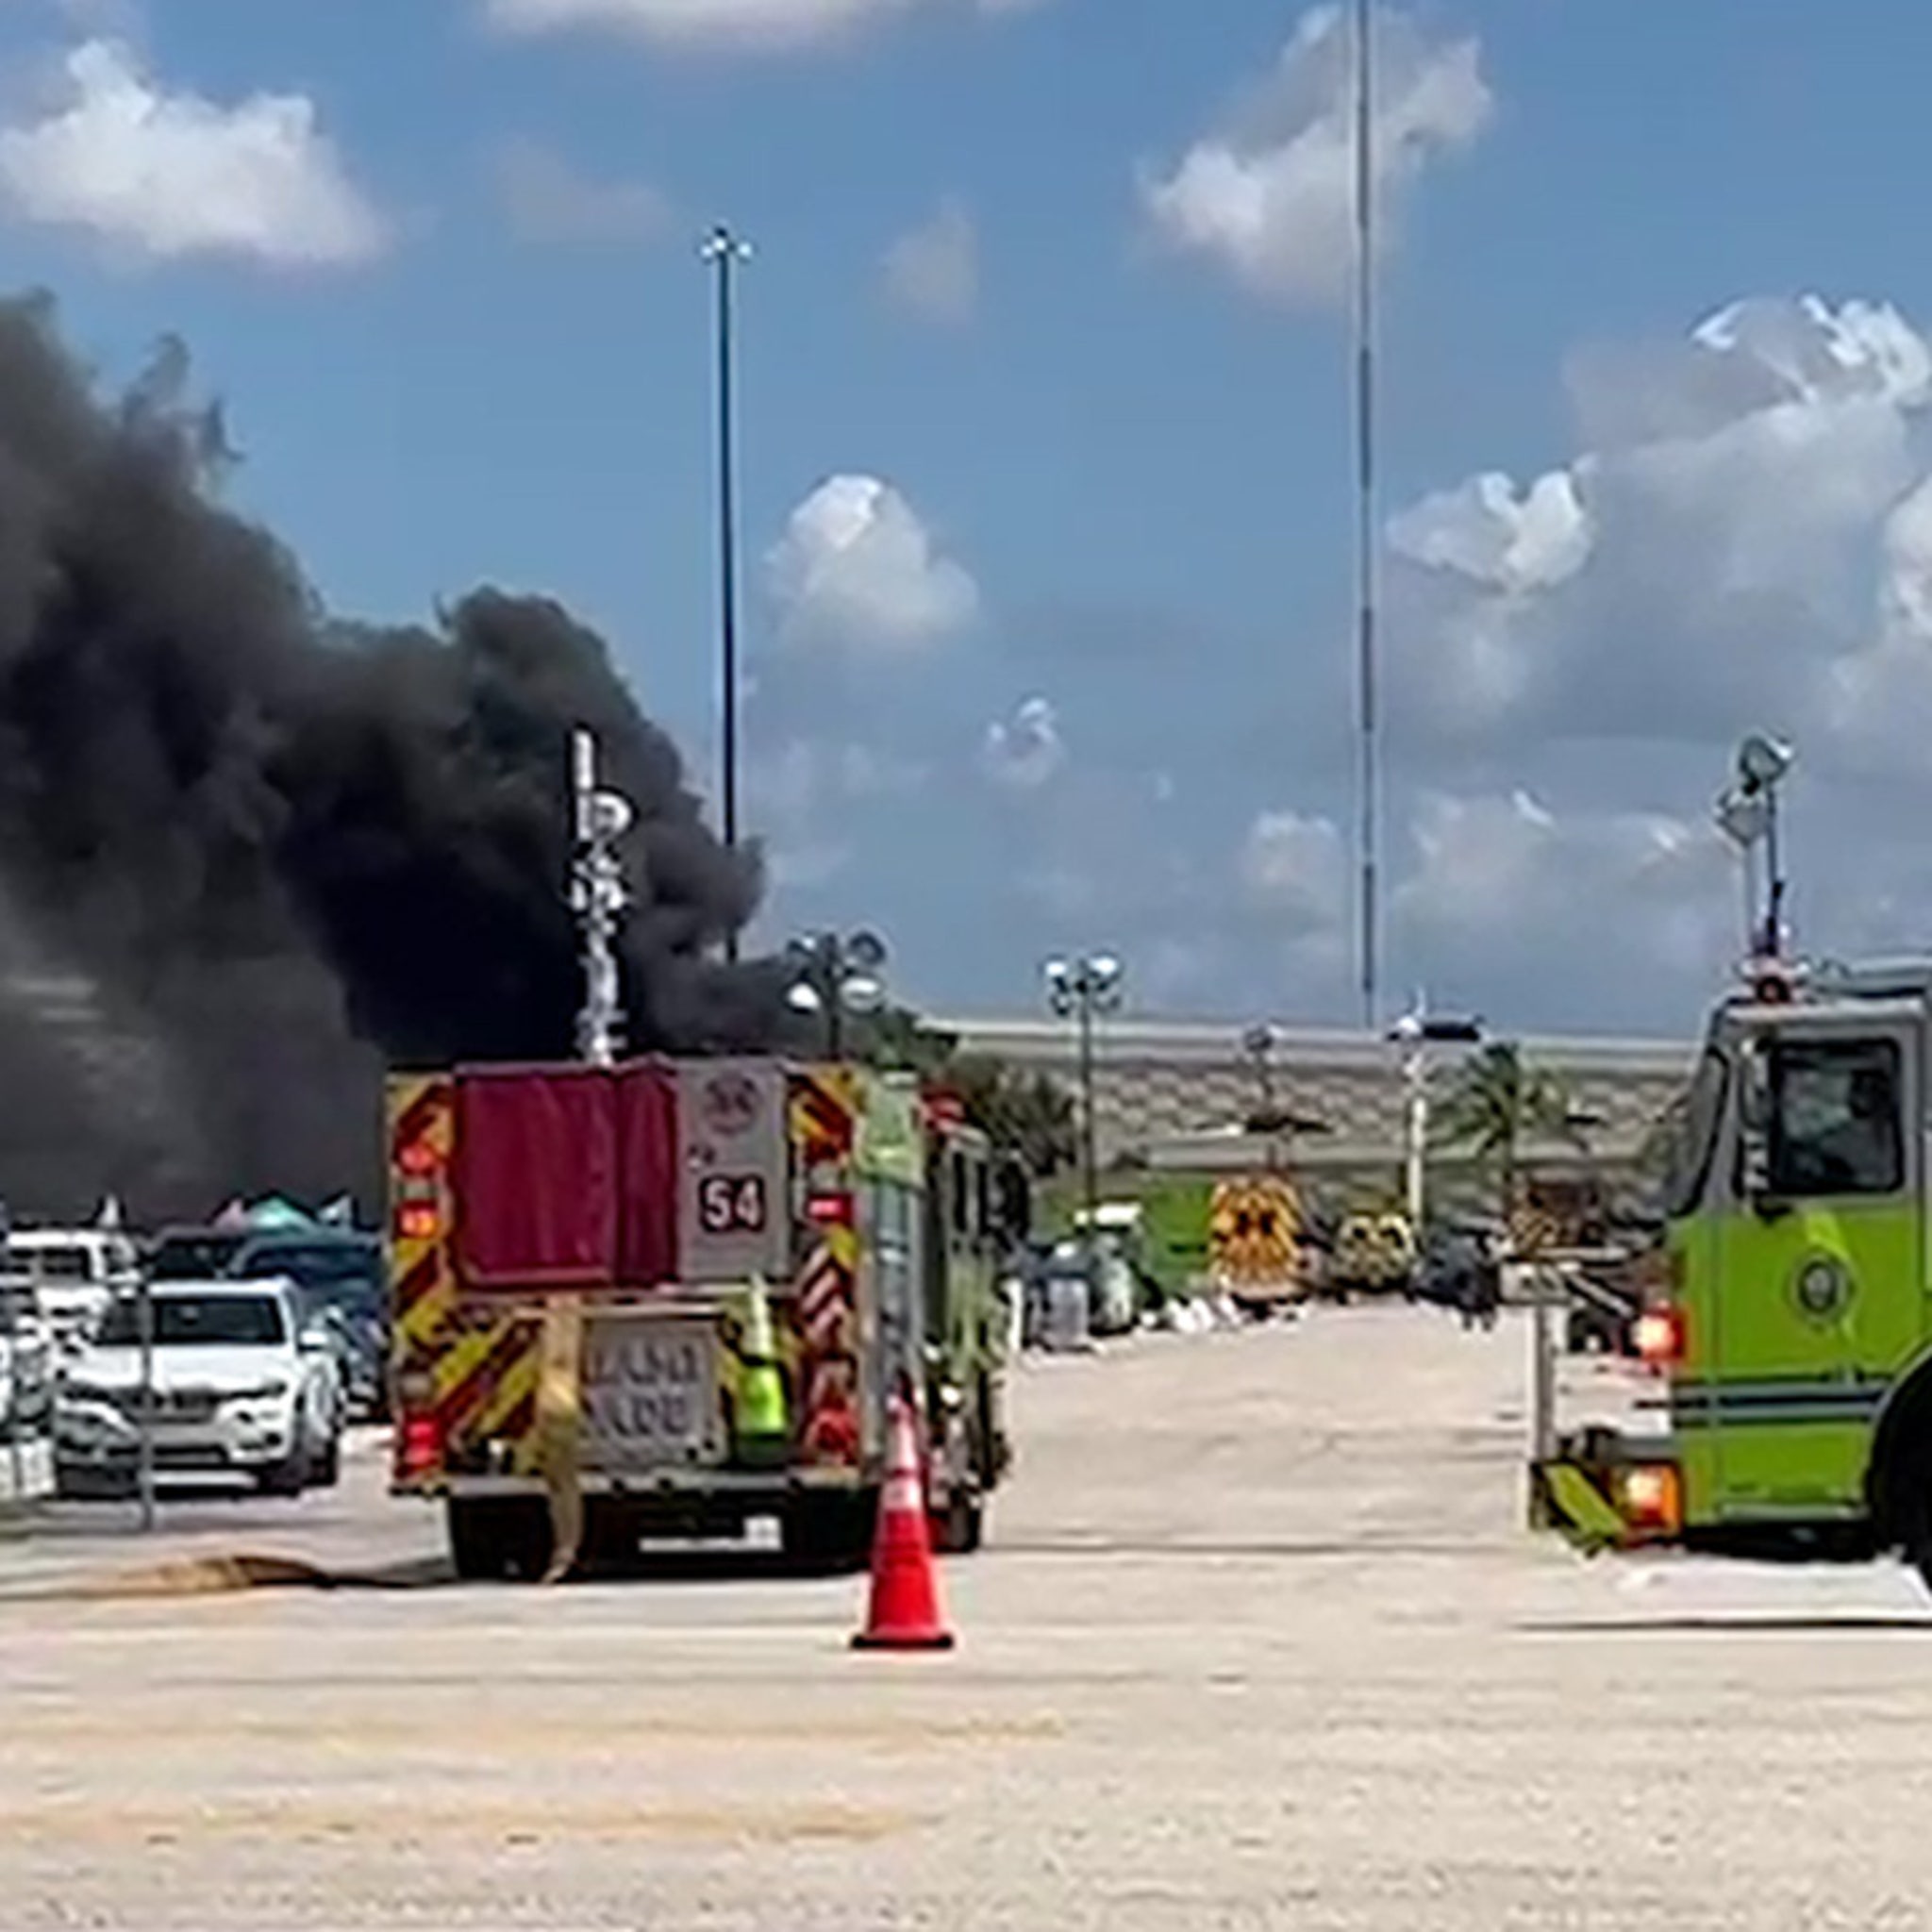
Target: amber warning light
{"x":1653,"y":1498}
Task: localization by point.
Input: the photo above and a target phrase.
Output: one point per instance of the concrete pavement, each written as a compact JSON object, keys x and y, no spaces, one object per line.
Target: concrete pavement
{"x":1258,"y":1641}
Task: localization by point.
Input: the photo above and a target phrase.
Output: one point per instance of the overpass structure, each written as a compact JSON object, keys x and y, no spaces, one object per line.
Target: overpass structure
{"x":1173,"y":1093}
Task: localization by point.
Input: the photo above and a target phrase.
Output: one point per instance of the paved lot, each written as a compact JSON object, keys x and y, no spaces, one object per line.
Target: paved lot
{"x":1259,"y":1642}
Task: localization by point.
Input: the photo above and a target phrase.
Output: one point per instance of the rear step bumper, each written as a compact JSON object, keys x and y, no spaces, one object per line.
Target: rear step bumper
{"x":770,"y":1488}
{"x":1604,"y":1492}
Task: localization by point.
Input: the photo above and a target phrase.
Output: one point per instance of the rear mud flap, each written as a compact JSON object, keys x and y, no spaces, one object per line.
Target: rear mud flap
{"x":1565,"y":1497}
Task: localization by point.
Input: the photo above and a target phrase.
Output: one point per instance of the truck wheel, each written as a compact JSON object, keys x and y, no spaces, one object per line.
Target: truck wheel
{"x":959,"y":1527}
{"x":830,"y":1530}
{"x":495,"y":1539}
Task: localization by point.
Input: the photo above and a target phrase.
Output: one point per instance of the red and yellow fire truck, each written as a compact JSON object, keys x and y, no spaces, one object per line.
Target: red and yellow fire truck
{"x":697,"y":1284}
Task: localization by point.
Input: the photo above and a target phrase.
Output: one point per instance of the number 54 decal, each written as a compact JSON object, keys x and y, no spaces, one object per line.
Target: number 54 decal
{"x":732,"y":1203}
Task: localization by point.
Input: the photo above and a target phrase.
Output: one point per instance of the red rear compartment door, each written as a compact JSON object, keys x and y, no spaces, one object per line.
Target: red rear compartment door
{"x":536,"y":1173}
{"x":647,"y":1234}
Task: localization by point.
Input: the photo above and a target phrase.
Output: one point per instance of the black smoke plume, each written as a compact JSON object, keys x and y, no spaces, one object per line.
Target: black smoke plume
{"x":249,"y":854}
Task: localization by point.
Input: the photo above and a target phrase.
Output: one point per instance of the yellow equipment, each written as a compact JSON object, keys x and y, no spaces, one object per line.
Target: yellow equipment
{"x":1254,"y":1241}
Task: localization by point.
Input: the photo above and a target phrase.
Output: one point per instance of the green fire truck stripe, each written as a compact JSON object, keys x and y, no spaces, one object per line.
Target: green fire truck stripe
{"x":1786,"y":1401}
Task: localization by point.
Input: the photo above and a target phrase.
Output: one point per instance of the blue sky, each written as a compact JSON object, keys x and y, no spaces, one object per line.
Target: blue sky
{"x":1104,"y":463}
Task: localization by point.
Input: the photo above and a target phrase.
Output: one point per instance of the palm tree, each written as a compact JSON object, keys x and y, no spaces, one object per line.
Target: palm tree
{"x":1498,"y":1103}
{"x":1029,"y":1116}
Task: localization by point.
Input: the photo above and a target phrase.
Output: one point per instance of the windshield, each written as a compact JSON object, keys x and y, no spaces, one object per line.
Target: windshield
{"x":192,"y":1257}
{"x":186,"y":1320}
{"x":1692,"y":1131}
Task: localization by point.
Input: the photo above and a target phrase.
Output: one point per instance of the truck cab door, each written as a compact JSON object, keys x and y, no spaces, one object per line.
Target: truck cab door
{"x":1820,"y":1265}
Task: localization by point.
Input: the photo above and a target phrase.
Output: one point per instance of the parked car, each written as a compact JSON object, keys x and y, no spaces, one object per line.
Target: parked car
{"x":193,"y":1254}
{"x":26,"y":1367}
{"x":71,"y":1273}
{"x":239,"y":1389}
{"x":343,"y":1287}
{"x":1460,"y":1266}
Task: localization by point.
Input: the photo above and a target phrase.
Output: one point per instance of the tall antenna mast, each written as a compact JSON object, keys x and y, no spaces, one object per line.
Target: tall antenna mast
{"x":599,"y":897}
{"x":1369,"y":776}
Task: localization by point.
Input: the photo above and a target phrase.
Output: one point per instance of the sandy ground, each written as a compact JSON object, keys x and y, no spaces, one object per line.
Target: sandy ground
{"x":1258,"y":1642}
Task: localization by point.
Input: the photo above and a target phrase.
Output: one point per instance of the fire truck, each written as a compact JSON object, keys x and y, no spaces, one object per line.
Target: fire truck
{"x":696,"y":1284}
{"x":1788,"y":1335}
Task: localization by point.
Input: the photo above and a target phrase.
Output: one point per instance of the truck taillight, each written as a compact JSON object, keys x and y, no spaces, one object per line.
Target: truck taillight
{"x":419,"y":1160}
{"x":829,"y":1210}
{"x":417,"y":1221}
{"x":420,"y":1445}
{"x":1652,"y":1498}
{"x":1657,"y":1335}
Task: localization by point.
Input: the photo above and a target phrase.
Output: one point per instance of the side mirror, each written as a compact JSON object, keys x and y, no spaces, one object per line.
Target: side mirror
{"x":318,"y":1341}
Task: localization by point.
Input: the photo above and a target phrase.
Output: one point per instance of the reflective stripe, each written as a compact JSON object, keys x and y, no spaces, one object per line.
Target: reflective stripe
{"x":1809,"y":1399}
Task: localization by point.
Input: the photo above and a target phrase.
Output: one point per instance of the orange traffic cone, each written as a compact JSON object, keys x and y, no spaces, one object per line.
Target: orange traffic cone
{"x":905,"y":1610}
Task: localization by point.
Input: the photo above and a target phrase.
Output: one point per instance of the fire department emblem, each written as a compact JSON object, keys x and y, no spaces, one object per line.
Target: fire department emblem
{"x":730,"y":1105}
{"x":1821,"y":1287}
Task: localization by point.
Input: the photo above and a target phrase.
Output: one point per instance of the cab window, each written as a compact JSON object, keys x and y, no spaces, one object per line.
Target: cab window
{"x":1834,"y":1118}
{"x":1691,"y":1135}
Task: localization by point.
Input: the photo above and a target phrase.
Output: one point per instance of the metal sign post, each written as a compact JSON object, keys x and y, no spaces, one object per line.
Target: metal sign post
{"x":1542,"y":1372}
{"x":145,"y":1309}
{"x":16,"y":1453}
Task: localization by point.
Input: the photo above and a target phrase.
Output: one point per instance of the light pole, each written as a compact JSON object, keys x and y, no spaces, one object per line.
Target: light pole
{"x":1257,"y":1042}
{"x":836,"y":975}
{"x":1082,"y":990}
{"x":1747,"y":815}
{"x":725,"y":253}
{"x":599,"y":896}
{"x":1415,"y":1033}
{"x":1367,"y":536}
{"x":1275,"y":1122}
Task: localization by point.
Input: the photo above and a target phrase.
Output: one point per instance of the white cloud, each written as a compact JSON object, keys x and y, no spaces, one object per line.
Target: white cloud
{"x":173,"y":175}
{"x":757,"y":27}
{"x":1513,"y":904}
{"x":858,"y":567}
{"x":1268,"y":195}
{"x":1296,"y":868}
{"x":933,"y":271}
{"x":1027,"y":750}
{"x":811,"y":799}
{"x":1744,"y":538}
{"x":1628,"y":891}
{"x":545,"y":199}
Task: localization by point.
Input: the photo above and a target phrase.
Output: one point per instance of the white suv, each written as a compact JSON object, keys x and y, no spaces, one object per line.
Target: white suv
{"x":239,"y":1390}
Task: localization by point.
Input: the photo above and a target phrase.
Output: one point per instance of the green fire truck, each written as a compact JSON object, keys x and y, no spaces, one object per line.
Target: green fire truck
{"x":1790,"y":1334}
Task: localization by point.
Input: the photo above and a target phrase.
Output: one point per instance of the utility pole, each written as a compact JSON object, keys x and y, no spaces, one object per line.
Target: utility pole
{"x":1369,"y":776}
{"x":725,"y":252}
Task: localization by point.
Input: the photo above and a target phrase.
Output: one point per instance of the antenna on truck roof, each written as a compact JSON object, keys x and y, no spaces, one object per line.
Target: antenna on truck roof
{"x":599,"y":896}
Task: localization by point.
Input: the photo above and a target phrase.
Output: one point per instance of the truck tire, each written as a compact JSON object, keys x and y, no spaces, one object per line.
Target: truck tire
{"x":830,"y":1530}
{"x":498,"y":1539}
{"x":959,"y":1526}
